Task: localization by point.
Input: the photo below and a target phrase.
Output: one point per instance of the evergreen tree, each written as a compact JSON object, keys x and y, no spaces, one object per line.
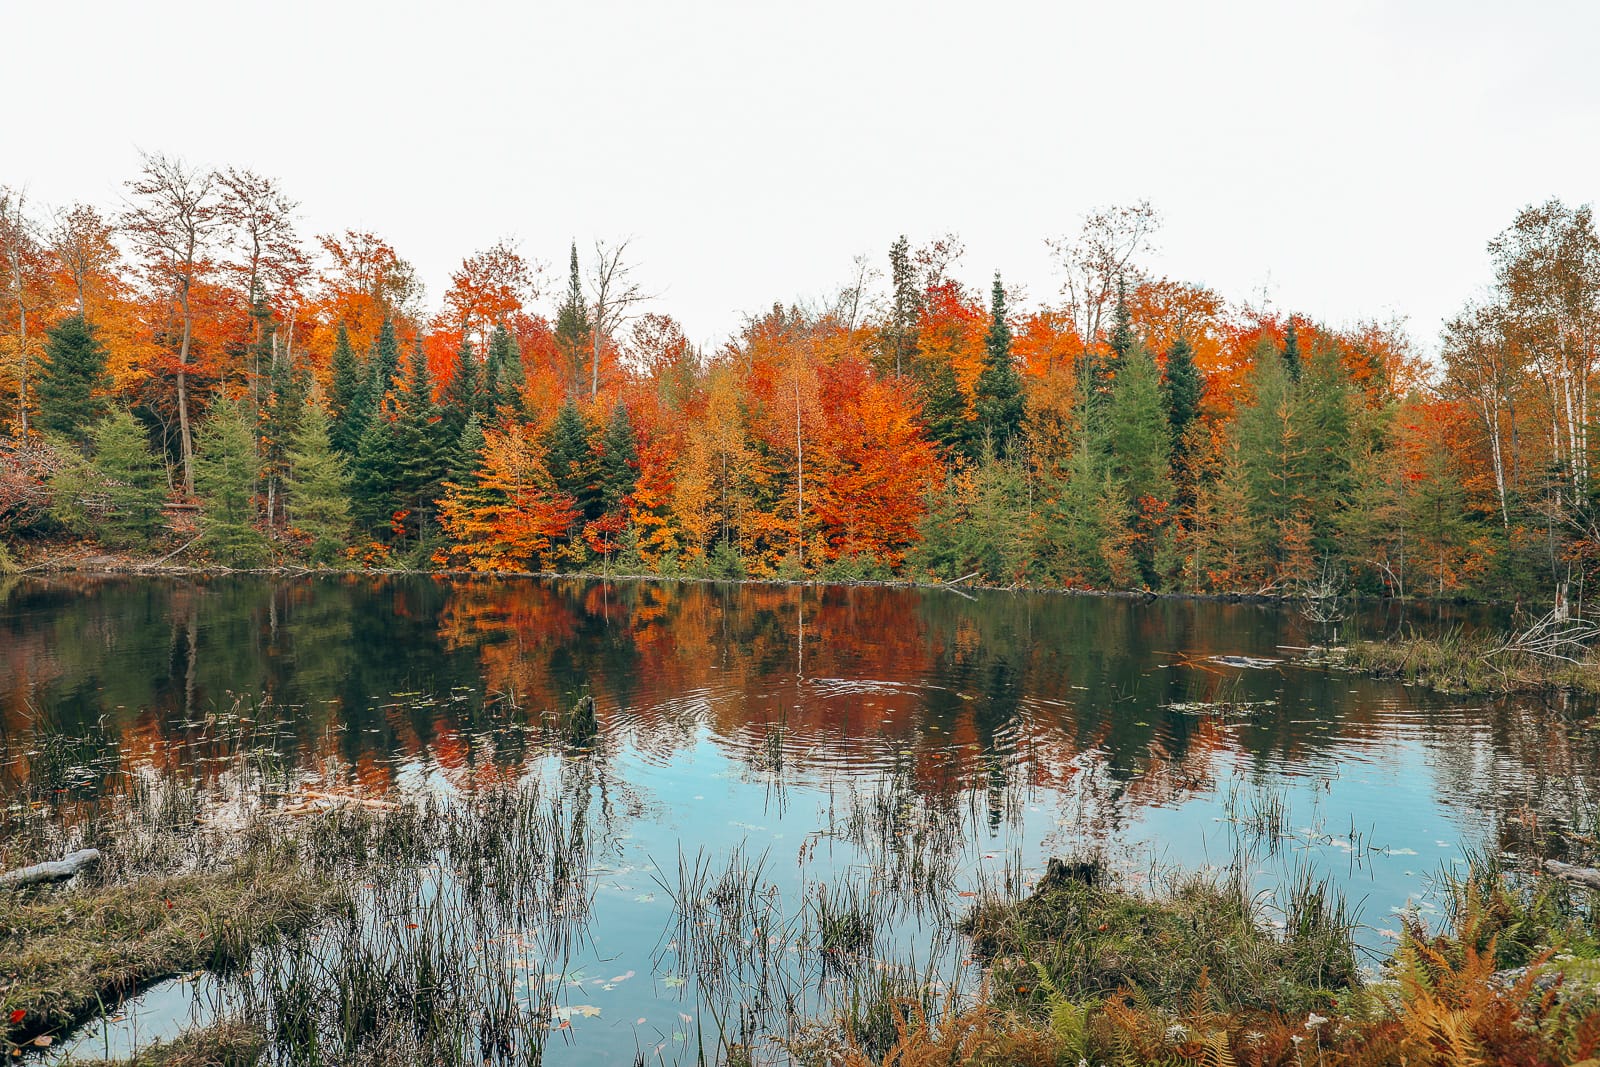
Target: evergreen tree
{"x":317,"y":488}
{"x":572,"y":462}
{"x":901,"y":329}
{"x":73,"y":380}
{"x":1088,"y":525}
{"x":619,"y":460}
{"x":226,"y":468}
{"x":467,"y":452}
{"x":999,"y":391}
{"x":1140,"y":441}
{"x":503,"y":378}
{"x":1291,"y":352}
{"x":1181,"y":390}
{"x":131,"y":479}
{"x":286,"y":401}
{"x":351,"y":398}
{"x":1271,"y":438}
{"x":1121,"y":339}
{"x":572,"y":323}
{"x":979,"y":522}
{"x":463,"y":395}
{"x":385,"y":364}
{"x":944,"y":412}
{"x":1138,"y":434}
{"x":420,"y":453}
{"x":1327,"y":407}
{"x":375,"y":476}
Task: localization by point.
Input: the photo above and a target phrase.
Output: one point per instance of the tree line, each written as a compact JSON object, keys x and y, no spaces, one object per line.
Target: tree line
{"x":191,"y":374}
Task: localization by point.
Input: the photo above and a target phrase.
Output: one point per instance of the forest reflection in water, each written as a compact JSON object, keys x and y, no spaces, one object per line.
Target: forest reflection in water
{"x":893,"y":747}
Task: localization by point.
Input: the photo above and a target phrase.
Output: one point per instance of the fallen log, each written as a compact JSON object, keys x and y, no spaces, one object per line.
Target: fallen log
{"x":53,"y":871}
{"x":1584,"y":876}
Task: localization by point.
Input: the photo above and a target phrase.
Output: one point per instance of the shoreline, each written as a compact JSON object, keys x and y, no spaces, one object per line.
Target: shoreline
{"x":105,"y":566}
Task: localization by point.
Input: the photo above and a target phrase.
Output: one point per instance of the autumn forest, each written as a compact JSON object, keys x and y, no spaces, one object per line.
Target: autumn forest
{"x":190,"y":378}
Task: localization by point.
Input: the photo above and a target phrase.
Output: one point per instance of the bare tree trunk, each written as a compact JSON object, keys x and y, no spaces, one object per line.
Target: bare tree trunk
{"x":185,"y":435}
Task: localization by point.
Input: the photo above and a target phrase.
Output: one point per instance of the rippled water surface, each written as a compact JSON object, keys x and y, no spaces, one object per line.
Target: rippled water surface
{"x":812,"y":731}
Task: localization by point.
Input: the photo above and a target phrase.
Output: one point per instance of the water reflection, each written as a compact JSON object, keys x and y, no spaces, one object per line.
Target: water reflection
{"x":892,"y":750}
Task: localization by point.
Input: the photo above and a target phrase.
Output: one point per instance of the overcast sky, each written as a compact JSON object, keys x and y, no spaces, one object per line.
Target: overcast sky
{"x":1352,"y":158}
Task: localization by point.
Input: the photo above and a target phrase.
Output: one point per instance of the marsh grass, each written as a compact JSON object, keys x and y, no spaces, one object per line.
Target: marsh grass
{"x":1458,"y":663}
{"x":227,"y":1043}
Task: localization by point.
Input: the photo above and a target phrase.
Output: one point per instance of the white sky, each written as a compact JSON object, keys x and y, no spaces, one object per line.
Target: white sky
{"x":1354,"y":157}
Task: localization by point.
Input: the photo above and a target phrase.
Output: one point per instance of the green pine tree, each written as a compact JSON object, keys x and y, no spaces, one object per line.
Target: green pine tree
{"x":463,"y":395}
{"x":132,"y":479}
{"x":73,"y":380}
{"x":317,"y":488}
{"x":1121,"y":339}
{"x":226,"y":469}
{"x":573,"y":325}
{"x":467,"y":452}
{"x":944,"y":411}
{"x":1181,"y":390}
{"x":999,"y":391}
{"x":619,"y":460}
{"x":375,"y":476}
{"x":503,"y":377}
{"x":1327,"y":409}
{"x":351,"y":399}
{"x":572,"y":462}
{"x":385,"y":365}
{"x":1291,"y":352}
{"x":421,"y":453}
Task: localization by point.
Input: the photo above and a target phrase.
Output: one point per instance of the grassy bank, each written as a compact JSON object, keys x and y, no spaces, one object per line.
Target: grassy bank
{"x":1455,"y":663}
{"x":1084,"y":971}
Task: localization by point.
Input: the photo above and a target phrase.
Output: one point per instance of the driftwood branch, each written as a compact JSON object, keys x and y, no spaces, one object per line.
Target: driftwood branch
{"x":1584,"y":876}
{"x":54,"y":871}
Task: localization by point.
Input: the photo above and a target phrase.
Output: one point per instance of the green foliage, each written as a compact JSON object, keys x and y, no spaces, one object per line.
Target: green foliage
{"x":226,"y":468}
{"x":944,"y":412}
{"x":1087,"y":528}
{"x":572,"y":462}
{"x":619,"y":460}
{"x":572,"y":326}
{"x":980,"y":523}
{"x":351,"y":397}
{"x":1182,"y":388}
{"x":133,"y":481}
{"x":502,"y":375}
{"x":74,"y":380}
{"x":1291,"y":352}
{"x":463,"y":395}
{"x":317,"y":488}
{"x":385,"y":363}
{"x":999,"y":392}
{"x":375,"y":476}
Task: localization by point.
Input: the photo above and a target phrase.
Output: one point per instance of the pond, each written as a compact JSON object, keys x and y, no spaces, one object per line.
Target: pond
{"x":912,"y":747}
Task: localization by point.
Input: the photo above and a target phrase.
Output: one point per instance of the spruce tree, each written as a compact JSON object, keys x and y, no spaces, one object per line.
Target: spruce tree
{"x":1121,"y":339}
{"x":467,"y":452}
{"x":421,"y":454}
{"x":1138,"y":435}
{"x":1328,"y":406}
{"x":572,"y":323}
{"x":385,"y":364}
{"x":1291,"y":352}
{"x":503,"y":378}
{"x":350,"y":397}
{"x":131,"y":479}
{"x":318,"y":490}
{"x":1181,"y":390}
{"x":375,"y":476}
{"x":901,"y":329}
{"x":463,"y":395}
{"x":226,"y":468}
{"x":999,"y":391}
{"x":619,"y":460}
{"x":572,"y":462}
{"x":73,"y":380}
{"x":944,"y":412}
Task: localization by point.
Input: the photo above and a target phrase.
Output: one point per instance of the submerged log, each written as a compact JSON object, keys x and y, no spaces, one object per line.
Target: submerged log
{"x":1584,"y":876}
{"x":54,"y":871}
{"x":581,"y":724}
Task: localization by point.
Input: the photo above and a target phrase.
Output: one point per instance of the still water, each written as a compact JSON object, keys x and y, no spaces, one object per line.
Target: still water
{"x":808,"y":731}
